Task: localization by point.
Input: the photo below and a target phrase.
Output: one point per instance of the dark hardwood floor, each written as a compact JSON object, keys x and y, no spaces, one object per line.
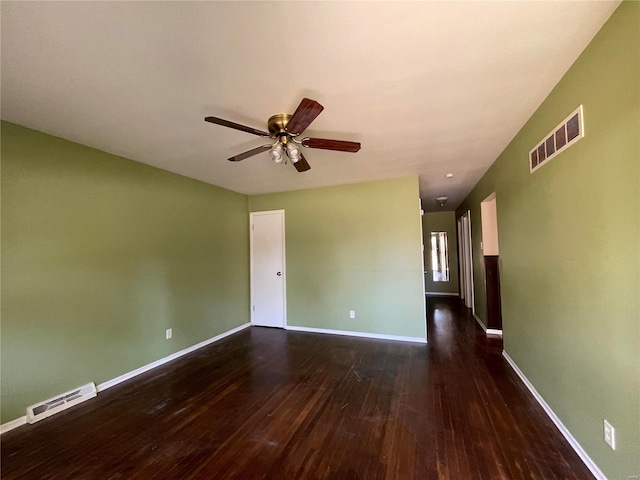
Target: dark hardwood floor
{"x":271,"y":404}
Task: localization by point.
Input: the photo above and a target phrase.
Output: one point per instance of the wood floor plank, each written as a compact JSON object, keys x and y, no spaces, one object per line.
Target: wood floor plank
{"x":271,"y":404}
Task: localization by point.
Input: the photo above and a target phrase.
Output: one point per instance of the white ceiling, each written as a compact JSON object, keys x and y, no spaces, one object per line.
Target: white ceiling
{"x":428,"y":88}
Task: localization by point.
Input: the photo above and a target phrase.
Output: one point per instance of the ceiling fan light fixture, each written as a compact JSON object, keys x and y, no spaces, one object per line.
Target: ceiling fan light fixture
{"x":441,"y":201}
{"x":276,"y":152}
{"x":293,"y":152}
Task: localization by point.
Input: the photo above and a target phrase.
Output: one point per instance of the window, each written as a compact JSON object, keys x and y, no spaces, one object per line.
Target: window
{"x":439,"y":257}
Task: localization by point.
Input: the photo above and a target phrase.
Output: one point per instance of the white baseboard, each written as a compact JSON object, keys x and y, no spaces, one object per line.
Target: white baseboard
{"x":488,"y":331}
{"x":442,"y":294}
{"x":18,"y":422}
{"x":554,"y":418}
{"x":357,"y":334}
{"x":482,"y":325}
{"x":115,"y":381}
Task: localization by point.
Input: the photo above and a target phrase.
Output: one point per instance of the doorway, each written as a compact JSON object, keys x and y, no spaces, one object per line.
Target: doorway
{"x":491,"y":252}
{"x":268,"y":278}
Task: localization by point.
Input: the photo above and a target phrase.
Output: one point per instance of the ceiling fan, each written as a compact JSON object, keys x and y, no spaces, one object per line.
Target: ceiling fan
{"x":285,"y":129}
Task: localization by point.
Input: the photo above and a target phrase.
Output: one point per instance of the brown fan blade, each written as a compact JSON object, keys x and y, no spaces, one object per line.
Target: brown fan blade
{"x":250,"y":153}
{"x":338,"y":145}
{"x":302,"y":165}
{"x":237,"y":126}
{"x":306,"y":113}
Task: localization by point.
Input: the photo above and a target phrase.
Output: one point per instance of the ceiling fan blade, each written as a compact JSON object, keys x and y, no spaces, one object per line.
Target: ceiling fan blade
{"x":338,"y":145}
{"x":237,"y":126}
{"x":306,"y":113}
{"x":302,"y":165}
{"x":250,"y":153}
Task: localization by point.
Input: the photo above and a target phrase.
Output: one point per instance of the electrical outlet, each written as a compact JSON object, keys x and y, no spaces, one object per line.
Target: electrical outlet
{"x":610,"y":435}
{"x":169,"y":333}
{"x":352,"y":314}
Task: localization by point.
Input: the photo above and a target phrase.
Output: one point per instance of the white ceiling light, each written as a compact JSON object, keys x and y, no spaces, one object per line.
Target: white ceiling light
{"x":441,"y":201}
{"x":277,"y":153}
{"x":293,"y":151}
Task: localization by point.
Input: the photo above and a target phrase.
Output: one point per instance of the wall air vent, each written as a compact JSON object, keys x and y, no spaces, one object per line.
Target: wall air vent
{"x":61,"y":402}
{"x":559,"y":139}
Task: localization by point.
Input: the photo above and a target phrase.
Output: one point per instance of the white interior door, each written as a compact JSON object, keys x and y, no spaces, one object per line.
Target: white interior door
{"x":267,"y":269}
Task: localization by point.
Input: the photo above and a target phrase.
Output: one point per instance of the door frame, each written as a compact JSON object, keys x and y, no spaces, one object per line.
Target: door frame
{"x":252,"y":215}
{"x":461,"y":279}
{"x":491,"y":237}
{"x":424,"y":286}
{"x":467,"y":252}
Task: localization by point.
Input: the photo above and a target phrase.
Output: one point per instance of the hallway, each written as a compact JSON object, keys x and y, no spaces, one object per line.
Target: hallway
{"x":491,"y":425}
{"x":267,"y":403}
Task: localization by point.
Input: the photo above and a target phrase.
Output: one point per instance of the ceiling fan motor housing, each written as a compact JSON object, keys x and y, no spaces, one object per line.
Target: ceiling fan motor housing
{"x":278,"y":123}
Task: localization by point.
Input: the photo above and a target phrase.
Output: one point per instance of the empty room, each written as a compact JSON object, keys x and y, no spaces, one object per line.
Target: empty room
{"x":320,"y":240}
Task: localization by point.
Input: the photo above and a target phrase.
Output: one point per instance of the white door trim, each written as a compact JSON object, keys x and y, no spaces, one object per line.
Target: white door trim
{"x":284,"y":262}
{"x":422,"y":267}
{"x":472,"y":289}
{"x":461,"y":262}
{"x":464,"y":223}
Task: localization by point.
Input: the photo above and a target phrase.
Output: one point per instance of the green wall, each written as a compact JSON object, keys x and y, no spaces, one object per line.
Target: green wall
{"x":353,"y":247}
{"x":569,"y":249}
{"x":99,"y":256}
{"x":441,"y":222}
